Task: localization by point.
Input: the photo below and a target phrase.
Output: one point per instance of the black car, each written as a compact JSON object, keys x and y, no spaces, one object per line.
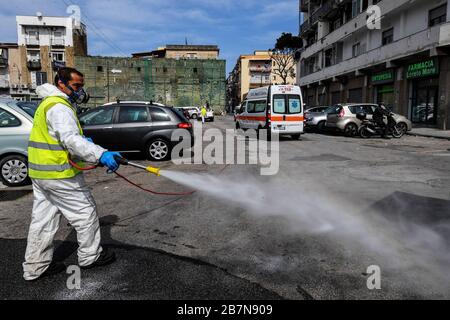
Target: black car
{"x":135,"y":126}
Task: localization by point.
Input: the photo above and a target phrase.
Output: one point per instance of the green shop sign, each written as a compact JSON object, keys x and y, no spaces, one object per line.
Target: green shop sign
{"x":423,"y":69}
{"x":383,"y":77}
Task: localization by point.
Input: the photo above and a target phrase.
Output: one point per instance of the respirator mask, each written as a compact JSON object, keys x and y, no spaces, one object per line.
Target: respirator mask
{"x":78,"y":96}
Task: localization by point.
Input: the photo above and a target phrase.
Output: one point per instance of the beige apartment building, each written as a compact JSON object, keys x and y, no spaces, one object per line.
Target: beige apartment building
{"x":252,"y":71}
{"x":44,"y":45}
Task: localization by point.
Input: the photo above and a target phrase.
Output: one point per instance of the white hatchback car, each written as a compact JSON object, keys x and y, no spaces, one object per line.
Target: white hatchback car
{"x":16,"y":121}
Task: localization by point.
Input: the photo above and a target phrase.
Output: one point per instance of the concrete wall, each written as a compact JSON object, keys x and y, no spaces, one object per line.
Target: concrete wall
{"x":168,"y":81}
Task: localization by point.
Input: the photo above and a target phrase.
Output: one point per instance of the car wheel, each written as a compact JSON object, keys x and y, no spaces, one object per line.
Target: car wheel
{"x":14,"y":171}
{"x":321,"y":126}
{"x":402,"y":128}
{"x":158,"y":150}
{"x":350,"y":130}
{"x":194,"y":116}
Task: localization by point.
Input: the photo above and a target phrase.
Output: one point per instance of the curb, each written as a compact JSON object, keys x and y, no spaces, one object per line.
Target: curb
{"x":427,"y":136}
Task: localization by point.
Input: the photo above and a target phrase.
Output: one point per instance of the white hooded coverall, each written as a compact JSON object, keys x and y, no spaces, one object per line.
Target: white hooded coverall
{"x":69,"y":197}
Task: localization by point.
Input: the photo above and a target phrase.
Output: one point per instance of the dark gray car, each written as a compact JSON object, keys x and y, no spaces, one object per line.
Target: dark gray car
{"x":135,"y":126}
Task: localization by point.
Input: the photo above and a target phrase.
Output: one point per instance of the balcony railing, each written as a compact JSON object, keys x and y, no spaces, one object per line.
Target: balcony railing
{"x":33,"y":41}
{"x":409,"y":45}
{"x":260,"y":69}
{"x":58,"y":64}
{"x":34,"y":64}
{"x":58,"y":42}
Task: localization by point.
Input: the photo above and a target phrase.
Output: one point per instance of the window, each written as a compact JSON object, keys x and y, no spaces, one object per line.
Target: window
{"x":388,"y":36}
{"x":158,"y":115}
{"x":41,"y":78}
{"x":98,"y":117}
{"x":437,"y":15}
{"x":356,"y":8}
{"x":356,"y":50}
{"x":58,"y":56}
{"x":195,"y":70}
{"x":294,"y":104}
{"x":99,"y":68}
{"x":279,"y":103}
{"x":133,"y":114}
{"x":8,"y":120}
{"x":33,"y":55}
{"x":256,"y":106}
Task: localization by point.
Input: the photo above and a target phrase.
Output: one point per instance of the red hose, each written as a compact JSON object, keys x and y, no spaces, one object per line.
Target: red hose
{"x":73,"y":164}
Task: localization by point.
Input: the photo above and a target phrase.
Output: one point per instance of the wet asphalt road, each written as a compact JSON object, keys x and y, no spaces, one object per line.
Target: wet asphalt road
{"x":204,"y":247}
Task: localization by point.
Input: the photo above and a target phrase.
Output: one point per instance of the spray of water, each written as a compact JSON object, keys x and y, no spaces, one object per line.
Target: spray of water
{"x":403,"y":244}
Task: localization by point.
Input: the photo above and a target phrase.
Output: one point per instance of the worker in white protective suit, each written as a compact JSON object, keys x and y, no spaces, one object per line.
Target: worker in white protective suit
{"x":58,"y":187}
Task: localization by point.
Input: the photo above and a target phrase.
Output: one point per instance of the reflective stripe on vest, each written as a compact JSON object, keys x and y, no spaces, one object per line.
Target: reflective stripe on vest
{"x":47,"y":158}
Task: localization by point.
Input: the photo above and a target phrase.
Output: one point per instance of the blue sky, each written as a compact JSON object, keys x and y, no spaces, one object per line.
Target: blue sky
{"x":236,"y":26}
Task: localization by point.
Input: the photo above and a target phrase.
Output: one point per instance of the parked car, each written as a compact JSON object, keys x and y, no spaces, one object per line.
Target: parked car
{"x":192,"y":112}
{"x":209,"y":116}
{"x":342,"y":117}
{"x":316,"y":117}
{"x":135,"y":126}
{"x":16,"y":121}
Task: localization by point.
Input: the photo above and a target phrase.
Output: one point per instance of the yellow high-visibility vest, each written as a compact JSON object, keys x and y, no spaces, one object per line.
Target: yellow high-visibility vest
{"x":47,"y":158}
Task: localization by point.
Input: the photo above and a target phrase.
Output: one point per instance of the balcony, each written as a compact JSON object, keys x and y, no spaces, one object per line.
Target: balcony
{"x":58,"y":64}
{"x":34,"y":65}
{"x":264,"y":69}
{"x":3,"y":62}
{"x":32,"y":41}
{"x":427,"y":39}
{"x":352,"y":26}
{"x":58,"y":42}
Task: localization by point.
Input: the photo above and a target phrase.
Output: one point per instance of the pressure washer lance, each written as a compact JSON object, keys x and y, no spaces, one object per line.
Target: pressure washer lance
{"x":126,"y":162}
{"x":123,"y":161}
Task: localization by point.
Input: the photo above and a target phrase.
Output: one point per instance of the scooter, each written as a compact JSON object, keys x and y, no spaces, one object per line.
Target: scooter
{"x":370,"y":128}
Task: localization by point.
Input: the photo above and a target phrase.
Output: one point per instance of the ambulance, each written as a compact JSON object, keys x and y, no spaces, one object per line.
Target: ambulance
{"x":276,"y":107}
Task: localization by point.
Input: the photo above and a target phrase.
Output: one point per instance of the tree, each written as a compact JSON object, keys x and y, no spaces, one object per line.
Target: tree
{"x":284,"y":55}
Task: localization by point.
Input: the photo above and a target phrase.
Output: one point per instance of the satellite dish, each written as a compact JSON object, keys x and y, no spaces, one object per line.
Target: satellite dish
{"x":39,"y":14}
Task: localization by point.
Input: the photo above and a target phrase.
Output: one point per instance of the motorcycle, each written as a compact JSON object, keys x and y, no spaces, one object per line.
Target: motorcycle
{"x":370,"y":128}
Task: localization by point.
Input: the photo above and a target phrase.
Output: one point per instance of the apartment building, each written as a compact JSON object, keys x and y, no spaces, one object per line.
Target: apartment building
{"x":252,"y":71}
{"x":405,"y":63}
{"x":44,"y":45}
{"x":10,"y":68}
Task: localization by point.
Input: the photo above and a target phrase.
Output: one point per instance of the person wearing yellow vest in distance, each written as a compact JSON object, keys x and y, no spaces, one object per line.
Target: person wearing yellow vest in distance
{"x":58,"y":187}
{"x":203,"y":114}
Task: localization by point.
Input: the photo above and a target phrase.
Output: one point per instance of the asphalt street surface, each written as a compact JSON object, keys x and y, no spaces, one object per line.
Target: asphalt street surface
{"x":208,"y":247}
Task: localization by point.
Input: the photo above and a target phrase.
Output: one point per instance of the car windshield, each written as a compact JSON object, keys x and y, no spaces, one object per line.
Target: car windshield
{"x":29,"y":107}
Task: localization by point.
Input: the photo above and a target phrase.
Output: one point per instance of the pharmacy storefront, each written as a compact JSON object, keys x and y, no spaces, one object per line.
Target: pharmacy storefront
{"x":423,"y":77}
{"x":383,"y":84}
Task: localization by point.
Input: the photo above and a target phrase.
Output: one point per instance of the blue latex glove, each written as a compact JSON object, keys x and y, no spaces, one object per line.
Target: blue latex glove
{"x":107,"y":159}
{"x":89,"y":139}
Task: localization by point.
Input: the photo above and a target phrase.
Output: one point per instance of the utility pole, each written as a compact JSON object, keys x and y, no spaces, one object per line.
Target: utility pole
{"x":107,"y":77}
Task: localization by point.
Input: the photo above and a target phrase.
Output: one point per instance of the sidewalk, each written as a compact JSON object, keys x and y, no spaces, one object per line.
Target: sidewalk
{"x":430,"y":133}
